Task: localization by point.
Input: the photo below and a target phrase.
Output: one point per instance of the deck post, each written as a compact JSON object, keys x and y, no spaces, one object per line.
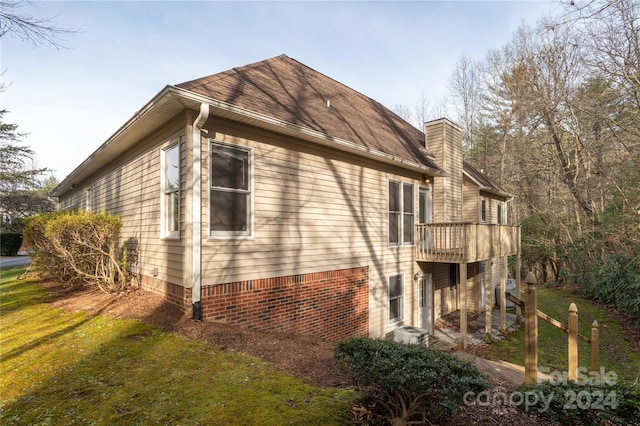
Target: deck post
{"x":573,"y":342}
{"x":487,"y":300}
{"x":531,"y":332}
{"x":503,"y":296}
{"x":463,"y":306}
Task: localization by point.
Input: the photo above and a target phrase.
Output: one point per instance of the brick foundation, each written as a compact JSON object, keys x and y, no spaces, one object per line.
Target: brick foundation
{"x":331,"y":305}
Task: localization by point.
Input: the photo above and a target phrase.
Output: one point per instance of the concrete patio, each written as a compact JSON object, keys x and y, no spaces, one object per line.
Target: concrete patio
{"x":447,"y":333}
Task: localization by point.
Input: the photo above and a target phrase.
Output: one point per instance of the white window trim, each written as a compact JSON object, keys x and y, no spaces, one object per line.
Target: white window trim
{"x":229,"y":235}
{"x":401,"y":241}
{"x":403,"y":297}
{"x":164,"y":233}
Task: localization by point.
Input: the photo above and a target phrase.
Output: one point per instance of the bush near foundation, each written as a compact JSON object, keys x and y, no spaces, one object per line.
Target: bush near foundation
{"x":10,"y":243}
{"x":411,"y":382}
{"x":79,"y":246}
{"x":584,"y":404}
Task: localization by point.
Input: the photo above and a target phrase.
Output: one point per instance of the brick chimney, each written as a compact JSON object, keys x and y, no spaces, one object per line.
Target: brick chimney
{"x":443,"y":141}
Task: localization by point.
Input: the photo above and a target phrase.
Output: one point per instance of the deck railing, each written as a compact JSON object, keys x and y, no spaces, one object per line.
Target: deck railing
{"x":465,"y":242}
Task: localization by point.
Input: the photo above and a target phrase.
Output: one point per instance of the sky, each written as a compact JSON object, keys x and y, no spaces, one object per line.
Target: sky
{"x":120,"y":54}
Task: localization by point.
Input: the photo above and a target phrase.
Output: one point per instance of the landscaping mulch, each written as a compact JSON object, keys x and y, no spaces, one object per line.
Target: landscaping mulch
{"x":308,"y":358}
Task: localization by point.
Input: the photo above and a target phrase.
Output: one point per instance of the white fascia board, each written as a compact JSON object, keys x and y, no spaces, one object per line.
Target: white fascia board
{"x":177,"y":99}
{"x":280,"y":126}
{"x":488,"y":188}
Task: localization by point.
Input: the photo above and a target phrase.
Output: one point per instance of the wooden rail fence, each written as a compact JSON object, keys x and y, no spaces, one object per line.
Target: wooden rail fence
{"x":531,"y":315}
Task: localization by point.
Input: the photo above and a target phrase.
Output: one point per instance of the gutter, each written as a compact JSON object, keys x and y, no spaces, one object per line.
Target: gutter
{"x":196,"y":209}
{"x":275,"y":124}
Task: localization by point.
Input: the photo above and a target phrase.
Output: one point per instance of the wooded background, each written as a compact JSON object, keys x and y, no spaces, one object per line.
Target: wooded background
{"x":554,"y":117}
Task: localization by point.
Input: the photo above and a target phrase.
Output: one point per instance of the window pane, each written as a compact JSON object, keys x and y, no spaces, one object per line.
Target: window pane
{"x":229,"y":168}
{"x":174,"y":212}
{"x":229,"y":211}
{"x":172,"y":168}
{"x":408,"y":228}
{"x":394,"y":227}
{"x":395,"y":309}
{"x":394,"y":197}
{"x":395,"y":286}
{"x":407,"y":198}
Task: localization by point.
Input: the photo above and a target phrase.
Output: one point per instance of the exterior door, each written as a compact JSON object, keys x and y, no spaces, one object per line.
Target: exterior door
{"x":425,"y":303}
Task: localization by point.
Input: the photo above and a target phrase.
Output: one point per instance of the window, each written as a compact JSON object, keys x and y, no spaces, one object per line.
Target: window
{"x":502,"y":220}
{"x":483,"y":210}
{"x":401,"y":213}
{"x":170,"y":186}
{"x":230,"y":197}
{"x":396,"y":298}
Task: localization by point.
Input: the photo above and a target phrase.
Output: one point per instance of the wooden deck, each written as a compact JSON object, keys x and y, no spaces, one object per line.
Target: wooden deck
{"x":465,"y":242}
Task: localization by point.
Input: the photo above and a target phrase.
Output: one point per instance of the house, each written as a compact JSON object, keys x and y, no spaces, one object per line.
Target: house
{"x":274,"y":197}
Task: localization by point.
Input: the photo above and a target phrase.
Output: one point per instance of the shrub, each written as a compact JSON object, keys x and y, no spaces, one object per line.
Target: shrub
{"x":411,"y":382}
{"x":10,"y":243}
{"x":583,"y":404}
{"x":79,"y":246}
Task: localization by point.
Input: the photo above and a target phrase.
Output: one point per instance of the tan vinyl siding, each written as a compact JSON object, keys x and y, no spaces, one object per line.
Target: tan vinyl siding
{"x":444,"y":142}
{"x":315,"y":209}
{"x":471,"y":206}
{"x":130,"y":188}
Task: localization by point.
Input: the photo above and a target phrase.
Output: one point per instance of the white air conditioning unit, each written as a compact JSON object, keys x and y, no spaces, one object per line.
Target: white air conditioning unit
{"x":511,"y":288}
{"x":413,"y":335}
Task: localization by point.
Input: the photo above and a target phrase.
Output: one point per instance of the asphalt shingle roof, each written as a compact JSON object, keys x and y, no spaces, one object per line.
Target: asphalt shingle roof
{"x":290,"y":91}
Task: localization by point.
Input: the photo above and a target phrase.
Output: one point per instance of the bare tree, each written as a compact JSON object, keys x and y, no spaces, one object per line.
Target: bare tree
{"x":465,"y":88}
{"x":37,"y":31}
{"x":403,"y":112}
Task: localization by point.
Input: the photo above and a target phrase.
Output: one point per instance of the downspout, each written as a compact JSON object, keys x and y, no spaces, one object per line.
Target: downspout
{"x":196,"y":209}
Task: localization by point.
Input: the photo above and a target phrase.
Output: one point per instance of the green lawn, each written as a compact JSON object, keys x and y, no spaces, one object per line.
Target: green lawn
{"x":615,"y":352}
{"x":60,"y":368}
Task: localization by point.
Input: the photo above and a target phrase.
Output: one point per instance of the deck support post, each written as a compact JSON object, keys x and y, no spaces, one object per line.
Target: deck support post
{"x":488,"y":301}
{"x":463,"y":306}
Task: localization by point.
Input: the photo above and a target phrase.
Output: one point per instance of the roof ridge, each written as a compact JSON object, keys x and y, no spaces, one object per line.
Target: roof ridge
{"x":235,"y":70}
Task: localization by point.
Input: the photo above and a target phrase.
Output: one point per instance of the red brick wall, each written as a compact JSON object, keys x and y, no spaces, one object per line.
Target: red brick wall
{"x":331,"y":305}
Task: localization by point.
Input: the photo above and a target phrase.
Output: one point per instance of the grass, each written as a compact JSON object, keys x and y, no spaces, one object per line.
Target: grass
{"x":615,"y":351}
{"x":61,"y":368}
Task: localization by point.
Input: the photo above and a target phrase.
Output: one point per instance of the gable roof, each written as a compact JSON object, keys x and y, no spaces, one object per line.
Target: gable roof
{"x":483,"y":181}
{"x":290,"y":91}
{"x":282,"y":95}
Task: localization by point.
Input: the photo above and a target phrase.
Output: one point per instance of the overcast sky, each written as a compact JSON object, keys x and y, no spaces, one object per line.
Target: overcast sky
{"x":71,"y":100}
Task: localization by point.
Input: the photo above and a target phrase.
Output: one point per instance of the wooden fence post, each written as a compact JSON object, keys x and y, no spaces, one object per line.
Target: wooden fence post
{"x":531,"y":332}
{"x":595,"y":347}
{"x":573,"y":342}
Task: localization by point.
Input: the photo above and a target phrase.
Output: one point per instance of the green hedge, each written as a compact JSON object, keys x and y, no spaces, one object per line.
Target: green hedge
{"x":10,"y":243}
{"x":411,"y":382}
{"x":583,"y":404}
{"x":79,"y":246}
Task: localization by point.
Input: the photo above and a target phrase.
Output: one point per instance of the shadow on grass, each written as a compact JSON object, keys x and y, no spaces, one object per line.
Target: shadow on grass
{"x":90,"y":369}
